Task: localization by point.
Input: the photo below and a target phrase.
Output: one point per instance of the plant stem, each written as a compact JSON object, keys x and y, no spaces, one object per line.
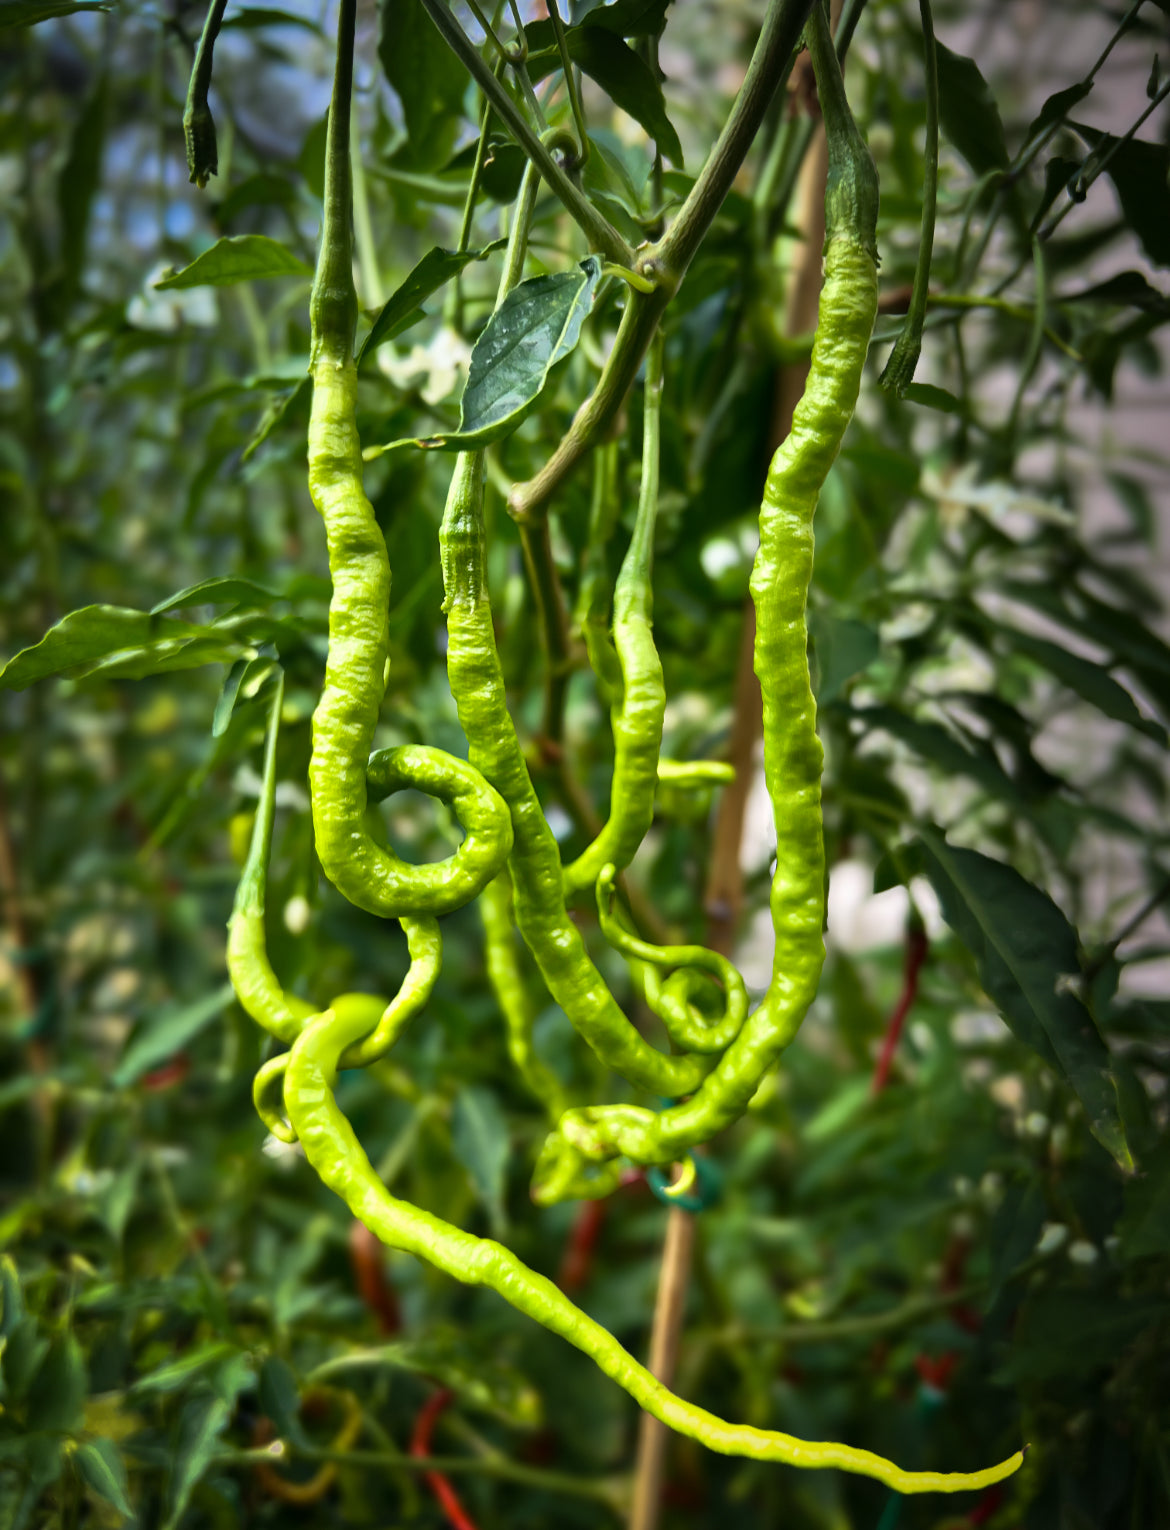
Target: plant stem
{"x":668,"y":260}
{"x":609,"y":1492}
{"x":898,"y":373}
{"x":653,"y":1436}
{"x":598,"y":230}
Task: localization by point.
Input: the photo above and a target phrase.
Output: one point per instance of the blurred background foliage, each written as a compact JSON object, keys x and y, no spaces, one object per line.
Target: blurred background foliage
{"x":935,"y":1268}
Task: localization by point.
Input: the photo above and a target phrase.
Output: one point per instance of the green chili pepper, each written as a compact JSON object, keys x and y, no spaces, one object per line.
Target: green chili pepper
{"x":477,"y":684}
{"x":686,"y":1025}
{"x":336,"y":1154}
{"x":593,"y":593}
{"x":793,"y":755}
{"x":198,"y":123}
{"x":257,"y":986}
{"x":637,"y":717}
{"x":370,"y":875}
{"x":503,"y":969}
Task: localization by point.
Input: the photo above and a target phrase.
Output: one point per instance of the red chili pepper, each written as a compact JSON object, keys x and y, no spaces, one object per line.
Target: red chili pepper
{"x":916,"y":949}
{"x":420,"y":1446}
{"x":168,"y":1075}
{"x":986,"y":1506}
{"x":936,"y":1373}
{"x":577,"y":1260}
{"x":366,"y":1255}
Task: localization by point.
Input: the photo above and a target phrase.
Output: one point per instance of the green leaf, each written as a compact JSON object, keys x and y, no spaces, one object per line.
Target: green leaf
{"x":1128,"y":289}
{"x":241,"y":672}
{"x":1056,"y":108}
{"x":479,"y":1135}
{"x":203,"y":1420}
{"x":167,"y":1034}
{"x":24,"y":1350}
{"x":287,"y":407}
{"x":537,"y":325}
{"x":96,"y":633}
{"x":56,"y":1397}
{"x":427,"y":78}
{"x":78,"y":184}
{"x":27,"y":13}
{"x":404,"y":306}
{"x":1088,"y":680}
{"x":175,"y":1374}
{"x":103,"y":1469}
{"x":280,"y":1399}
{"x":237,"y":258}
{"x":933,"y":742}
{"x":1139,"y":171}
{"x":222,"y":591}
{"x":624,"y":77}
{"x":1026,"y":954}
{"x":931,"y":397}
{"x":968,"y":114}
{"x":264,"y":16}
{"x":624,"y":18}
{"x":11,"y":1296}
{"x":844,"y":647}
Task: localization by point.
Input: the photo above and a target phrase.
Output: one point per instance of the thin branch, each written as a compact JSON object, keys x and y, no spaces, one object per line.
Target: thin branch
{"x":598,"y":230}
{"x":769,"y":67}
{"x":668,"y":260}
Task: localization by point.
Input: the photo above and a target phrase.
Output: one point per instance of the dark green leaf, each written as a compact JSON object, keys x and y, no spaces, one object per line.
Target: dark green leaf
{"x":933,"y":742}
{"x":427,"y":78}
{"x":237,"y":258}
{"x":1139,"y":171}
{"x":844,"y":647}
{"x":1026,"y":953}
{"x":176,"y":1374}
{"x":624,"y":77}
{"x":931,"y":397}
{"x":624,"y":18}
{"x":288,"y":407}
{"x":1088,"y":680}
{"x":221,"y":591}
{"x":168,"y":1033}
{"x":968,"y":114}
{"x":1128,"y":289}
{"x":243,"y":672}
{"x":479,"y":1135}
{"x":24,"y":1350}
{"x":280,"y":1400}
{"x":26,"y":13}
{"x":203,"y":1420}
{"x":537,"y":325}
{"x":56,"y":1397}
{"x":102,"y":1467}
{"x":78,"y":183}
{"x":264,"y":16}
{"x":404,"y":306}
{"x":94,"y":633}
{"x":1056,"y":108}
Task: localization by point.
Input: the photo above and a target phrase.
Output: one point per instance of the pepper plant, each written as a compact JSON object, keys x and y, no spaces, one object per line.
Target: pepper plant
{"x":532,"y":605}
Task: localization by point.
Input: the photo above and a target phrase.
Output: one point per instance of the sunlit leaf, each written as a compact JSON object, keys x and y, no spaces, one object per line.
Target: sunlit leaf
{"x":237,"y":258}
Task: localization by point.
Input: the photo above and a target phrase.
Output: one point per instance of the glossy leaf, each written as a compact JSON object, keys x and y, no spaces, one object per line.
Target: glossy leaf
{"x":95,"y":633}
